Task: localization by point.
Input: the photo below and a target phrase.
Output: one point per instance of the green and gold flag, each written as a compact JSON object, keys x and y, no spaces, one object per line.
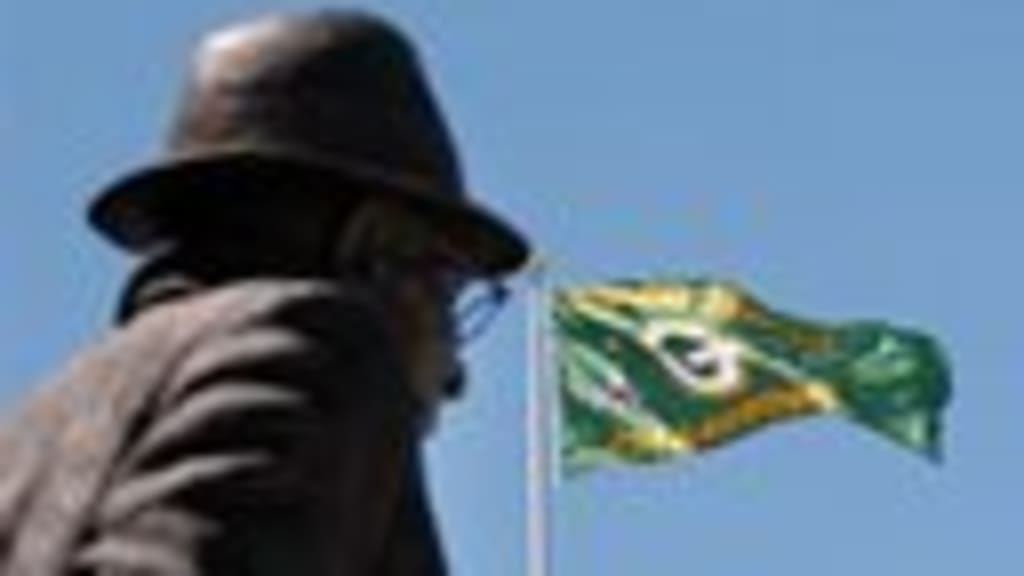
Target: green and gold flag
{"x":651,"y":370}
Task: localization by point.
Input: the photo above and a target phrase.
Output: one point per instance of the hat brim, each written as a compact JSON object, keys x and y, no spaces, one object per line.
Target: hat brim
{"x":131,"y":212}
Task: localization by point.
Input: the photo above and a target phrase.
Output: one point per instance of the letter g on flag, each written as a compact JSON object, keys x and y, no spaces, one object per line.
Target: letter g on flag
{"x":705,"y":362}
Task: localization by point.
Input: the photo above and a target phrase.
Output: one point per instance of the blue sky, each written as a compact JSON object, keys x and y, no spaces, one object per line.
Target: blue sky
{"x":843,"y":159}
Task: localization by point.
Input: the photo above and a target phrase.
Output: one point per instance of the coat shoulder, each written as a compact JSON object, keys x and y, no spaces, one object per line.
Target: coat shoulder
{"x":57,"y":447}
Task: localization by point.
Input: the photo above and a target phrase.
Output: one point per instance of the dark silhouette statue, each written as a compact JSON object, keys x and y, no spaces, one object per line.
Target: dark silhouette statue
{"x":304,"y":248}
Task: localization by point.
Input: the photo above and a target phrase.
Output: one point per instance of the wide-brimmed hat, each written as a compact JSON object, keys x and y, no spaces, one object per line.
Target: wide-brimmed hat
{"x":334,"y":97}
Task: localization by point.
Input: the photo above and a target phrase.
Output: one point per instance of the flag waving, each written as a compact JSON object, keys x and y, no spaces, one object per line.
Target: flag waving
{"x":651,"y":370}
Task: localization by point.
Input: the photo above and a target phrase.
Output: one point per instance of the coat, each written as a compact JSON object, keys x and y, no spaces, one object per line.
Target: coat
{"x":261,"y":428}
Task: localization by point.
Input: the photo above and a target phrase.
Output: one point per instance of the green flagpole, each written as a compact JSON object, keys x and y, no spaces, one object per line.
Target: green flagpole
{"x":538,"y":425}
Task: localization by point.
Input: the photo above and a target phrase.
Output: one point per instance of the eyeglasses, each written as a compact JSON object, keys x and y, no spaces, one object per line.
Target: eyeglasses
{"x":475,"y":308}
{"x":473,"y":302}
{"x":400,"y":246}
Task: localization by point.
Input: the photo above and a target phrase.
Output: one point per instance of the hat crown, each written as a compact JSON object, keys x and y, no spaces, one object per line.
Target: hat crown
{"x":333,"y":86}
